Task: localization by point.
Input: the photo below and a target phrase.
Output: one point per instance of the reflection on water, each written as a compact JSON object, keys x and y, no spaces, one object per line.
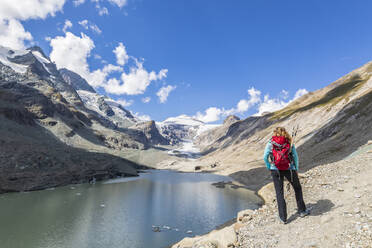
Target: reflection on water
{"x":120,"y":212}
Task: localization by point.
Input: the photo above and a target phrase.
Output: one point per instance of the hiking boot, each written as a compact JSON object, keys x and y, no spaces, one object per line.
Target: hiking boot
{"x":304,"y":213}
{"x":282,"y":221}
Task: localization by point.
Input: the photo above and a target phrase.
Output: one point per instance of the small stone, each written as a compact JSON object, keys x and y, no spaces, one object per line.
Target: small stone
{"x":357,"y":196}
{"x":189,"y":232}
{"x":365,"y":227}
{"x":340,"y":189}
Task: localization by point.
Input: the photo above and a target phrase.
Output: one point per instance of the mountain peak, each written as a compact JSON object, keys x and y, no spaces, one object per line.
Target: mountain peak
{"x":231,"y":119}
{"x":38,"y":49}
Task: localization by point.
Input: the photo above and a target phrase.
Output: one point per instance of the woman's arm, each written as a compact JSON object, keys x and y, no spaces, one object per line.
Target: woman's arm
{"x":295,"y":157}
{"x":267,"y":151}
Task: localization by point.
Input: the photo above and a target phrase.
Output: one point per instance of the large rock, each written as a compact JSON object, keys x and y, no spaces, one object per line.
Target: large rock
{"x":222,"y":238}
{"x":267,"y":193}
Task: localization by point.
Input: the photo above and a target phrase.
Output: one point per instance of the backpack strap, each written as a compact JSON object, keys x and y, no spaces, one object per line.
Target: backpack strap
{"x":278,"y":145}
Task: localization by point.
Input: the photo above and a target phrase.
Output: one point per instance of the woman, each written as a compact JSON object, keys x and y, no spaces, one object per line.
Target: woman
{"x":284,"y":163}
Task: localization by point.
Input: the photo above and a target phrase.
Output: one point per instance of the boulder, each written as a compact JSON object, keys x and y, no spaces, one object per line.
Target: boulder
{"x":217,"y":239}
{"x":245,"y":215}
{"x":267,"y":193}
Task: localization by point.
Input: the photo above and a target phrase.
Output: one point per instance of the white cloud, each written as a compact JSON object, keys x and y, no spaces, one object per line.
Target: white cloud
{"x":29,"y":9}
{"x":121,"y":54}
{"x":274,"y":104}
{"x":300,"y":93}
{"x":142,"y":117}
{"x":12,"y":32}
{"x":270,"y":105}
{"x":146,"y":99}
{"x":284,"y":94}
{"x":78,"y":2}
{"x":68,"y":24}
{"x":90,"y":26}
{"x":244,"y":105}
{"x":212,"y":114}
{"x":119,"y":3}
{"x":103,"y":11}
{"x":164,"y":92}
{"x":124,"y":102}
{"x":95,"y":28}
{"x":266,"y":104}
{"x":72,"y":51}
{"x":98,"y":77}
{"x":97,"y":56}
{"x":84,"y":24}
{"x":135,"y":82}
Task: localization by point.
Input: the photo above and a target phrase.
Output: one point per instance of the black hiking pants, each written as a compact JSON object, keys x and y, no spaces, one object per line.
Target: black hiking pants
{"x":278,"y":178}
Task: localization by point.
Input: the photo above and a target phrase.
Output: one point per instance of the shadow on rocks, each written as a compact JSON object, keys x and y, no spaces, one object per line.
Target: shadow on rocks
{"x":318,"y":208}
{"x":254,"y":179}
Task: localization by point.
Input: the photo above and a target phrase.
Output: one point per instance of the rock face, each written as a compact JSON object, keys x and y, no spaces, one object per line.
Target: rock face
{"x":48,"y":137}
{"x":151,"y":132}
{"x":75,"y":80}
{"x":230,"y":120}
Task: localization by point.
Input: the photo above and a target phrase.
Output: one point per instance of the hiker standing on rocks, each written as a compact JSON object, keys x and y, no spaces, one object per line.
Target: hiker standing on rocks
{"x":281,"y":159}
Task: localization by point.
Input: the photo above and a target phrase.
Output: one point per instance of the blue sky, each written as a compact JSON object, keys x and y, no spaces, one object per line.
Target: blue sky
{"x":214,"y":51}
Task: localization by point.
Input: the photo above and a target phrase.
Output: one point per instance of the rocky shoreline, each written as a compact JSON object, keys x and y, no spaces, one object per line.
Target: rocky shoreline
{"x":338,"y":195}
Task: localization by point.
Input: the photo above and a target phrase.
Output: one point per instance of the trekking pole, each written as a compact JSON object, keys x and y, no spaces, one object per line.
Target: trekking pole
{"x":294,"y":134}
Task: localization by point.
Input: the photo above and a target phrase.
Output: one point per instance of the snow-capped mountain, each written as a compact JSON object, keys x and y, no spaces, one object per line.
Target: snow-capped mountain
{"x":108,"y":108}
{"x":182,"y":128}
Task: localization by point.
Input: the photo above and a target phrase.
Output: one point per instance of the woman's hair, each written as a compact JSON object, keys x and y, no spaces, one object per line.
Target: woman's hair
{"x":280,"y":131}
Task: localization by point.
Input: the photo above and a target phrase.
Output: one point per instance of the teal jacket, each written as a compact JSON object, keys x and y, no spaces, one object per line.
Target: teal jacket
{"x":268,"y":149}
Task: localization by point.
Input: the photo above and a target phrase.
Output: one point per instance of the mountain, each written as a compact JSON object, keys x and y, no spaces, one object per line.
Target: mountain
{"x":49,"y":136}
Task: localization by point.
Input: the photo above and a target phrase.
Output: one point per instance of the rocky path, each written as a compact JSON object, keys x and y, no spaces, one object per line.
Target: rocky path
{"x":340,"y":198}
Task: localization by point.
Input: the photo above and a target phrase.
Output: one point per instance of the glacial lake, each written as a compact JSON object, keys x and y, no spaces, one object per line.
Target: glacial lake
{"x":121,"y":212}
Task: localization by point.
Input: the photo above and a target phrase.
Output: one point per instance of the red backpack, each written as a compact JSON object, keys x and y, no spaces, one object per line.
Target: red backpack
{"x":280,"y":151}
